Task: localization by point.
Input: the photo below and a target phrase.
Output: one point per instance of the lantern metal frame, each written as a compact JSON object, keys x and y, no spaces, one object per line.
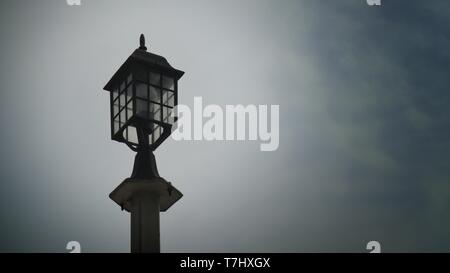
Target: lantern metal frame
{"x":137,"y":70}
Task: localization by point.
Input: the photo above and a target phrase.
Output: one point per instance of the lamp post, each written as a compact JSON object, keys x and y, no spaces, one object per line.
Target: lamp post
{"x":143,"y":93}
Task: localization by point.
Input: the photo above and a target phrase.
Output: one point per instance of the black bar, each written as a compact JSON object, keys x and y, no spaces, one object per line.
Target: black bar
{"x":226,"y":262}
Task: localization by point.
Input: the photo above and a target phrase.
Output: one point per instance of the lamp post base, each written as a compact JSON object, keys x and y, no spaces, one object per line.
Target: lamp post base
{"x":144,"y":199}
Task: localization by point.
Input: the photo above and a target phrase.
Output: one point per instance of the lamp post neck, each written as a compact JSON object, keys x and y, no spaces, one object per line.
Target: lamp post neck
{"x":144,"y":165}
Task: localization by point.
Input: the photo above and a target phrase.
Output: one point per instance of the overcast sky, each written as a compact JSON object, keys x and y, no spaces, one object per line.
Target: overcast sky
{"x":364,"y":124}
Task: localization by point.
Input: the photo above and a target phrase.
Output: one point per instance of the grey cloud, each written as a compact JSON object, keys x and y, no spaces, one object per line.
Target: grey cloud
{"x":364,"y":129}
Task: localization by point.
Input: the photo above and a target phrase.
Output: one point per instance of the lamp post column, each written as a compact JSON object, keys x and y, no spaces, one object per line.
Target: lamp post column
{"x":145,"y":194}
{"x":145,"y":223}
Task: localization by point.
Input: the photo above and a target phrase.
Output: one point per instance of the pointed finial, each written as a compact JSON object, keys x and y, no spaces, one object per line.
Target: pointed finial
{"x":142,"y":43}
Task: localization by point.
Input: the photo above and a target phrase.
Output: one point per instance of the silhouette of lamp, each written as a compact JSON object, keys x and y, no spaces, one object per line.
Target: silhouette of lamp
{"x":143,"y":93}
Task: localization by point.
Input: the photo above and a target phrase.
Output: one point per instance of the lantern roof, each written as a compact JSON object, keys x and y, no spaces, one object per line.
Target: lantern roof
{"x":141,"y":59}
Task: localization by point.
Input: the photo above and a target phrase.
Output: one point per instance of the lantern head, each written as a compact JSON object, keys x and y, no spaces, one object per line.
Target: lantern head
{"x":143,"y":93}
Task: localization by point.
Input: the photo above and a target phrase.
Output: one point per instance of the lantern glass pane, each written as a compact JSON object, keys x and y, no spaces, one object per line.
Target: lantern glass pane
{"x":156,"y":109}
{"x":155,"y":78}
{"x":123,"y":116}
{"x":141,"y":90}
{"x":167,"y":82}
{"x":129,"y":113}
{"x":129,"y":79}
{"x":155,"y":134}
{"x":115,"y":93}
{"x":168,"y":98}
{"x":115,"y":108}
{"x":155,"y":94}
{"x":171,"y":100}
{"x":166,"y":114}
{"x":116,"y":126}
{"x":164,"y":97}
{"x":129,"y":92}
{"x":142,"y":108}
{"x":122,"y":100}
{"x":132,"y":135}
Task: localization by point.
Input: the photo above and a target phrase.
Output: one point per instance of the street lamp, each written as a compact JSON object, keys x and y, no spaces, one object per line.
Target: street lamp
{"x":143,"y":93}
